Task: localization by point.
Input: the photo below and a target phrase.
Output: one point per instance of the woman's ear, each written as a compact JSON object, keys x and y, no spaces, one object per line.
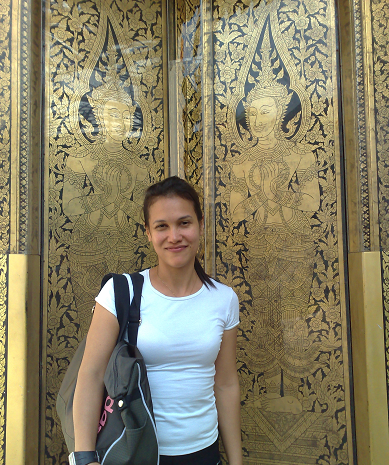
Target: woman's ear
{"x":148,"y":233}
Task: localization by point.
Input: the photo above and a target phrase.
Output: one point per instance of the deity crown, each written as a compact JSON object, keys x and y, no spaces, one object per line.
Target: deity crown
{"x":111,"y":89}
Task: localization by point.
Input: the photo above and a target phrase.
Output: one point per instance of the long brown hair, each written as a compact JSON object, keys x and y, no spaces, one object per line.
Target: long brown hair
{"x":170,"y":187}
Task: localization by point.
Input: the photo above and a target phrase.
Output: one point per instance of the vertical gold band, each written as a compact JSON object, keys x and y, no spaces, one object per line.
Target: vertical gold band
{"x":367,"y":331}
{"x":22,"y":404}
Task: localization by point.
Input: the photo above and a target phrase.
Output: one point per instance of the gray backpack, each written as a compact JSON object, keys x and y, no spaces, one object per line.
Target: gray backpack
{"x":127,"y":432}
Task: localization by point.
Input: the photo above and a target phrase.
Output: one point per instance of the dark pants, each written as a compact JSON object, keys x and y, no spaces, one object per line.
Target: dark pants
{"x":208,"y":456}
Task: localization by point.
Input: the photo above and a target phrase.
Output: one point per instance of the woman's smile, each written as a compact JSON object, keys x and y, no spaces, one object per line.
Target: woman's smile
{"x":177,"y":248}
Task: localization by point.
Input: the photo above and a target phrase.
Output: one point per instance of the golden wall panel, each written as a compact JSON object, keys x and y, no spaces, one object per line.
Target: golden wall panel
{"x":23,"y":357}
{"x":367,"y":330}
{"x":105,"y":144}
{"x":385,"y":282}
{"x":279,"y":237}
{"x":3,"y":350}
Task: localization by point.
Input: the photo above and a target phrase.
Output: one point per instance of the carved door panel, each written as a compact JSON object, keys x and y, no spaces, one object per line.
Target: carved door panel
{"x":104,"y":143}
{"x":273,"y":200}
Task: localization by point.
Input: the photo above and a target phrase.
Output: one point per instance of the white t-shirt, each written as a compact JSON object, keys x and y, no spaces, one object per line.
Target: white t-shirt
{"x":179,"y":338}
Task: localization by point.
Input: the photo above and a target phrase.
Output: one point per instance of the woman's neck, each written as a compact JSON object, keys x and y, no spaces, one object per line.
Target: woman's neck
{"x":175,"y":282}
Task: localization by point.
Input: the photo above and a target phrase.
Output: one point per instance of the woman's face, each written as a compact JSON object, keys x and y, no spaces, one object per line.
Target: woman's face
{"x":263,"y":114}
{"x":117,"y":119}
{"x":174,"y":231}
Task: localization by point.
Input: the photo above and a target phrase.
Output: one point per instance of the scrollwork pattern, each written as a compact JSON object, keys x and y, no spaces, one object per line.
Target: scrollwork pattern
{"x":380,"y":23}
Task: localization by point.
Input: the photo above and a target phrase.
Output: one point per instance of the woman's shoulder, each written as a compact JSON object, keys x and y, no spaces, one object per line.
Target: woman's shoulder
{"x":221,"y":289}
{"x":144,"y":273}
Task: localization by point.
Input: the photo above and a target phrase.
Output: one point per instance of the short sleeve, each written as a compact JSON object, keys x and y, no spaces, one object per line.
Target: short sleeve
{"x":233,"y":312}
{"x":106,"y":296}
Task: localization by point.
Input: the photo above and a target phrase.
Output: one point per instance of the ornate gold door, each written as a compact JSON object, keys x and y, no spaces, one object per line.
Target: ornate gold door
{"x":105,"y":141}
{"x":241,"y":98}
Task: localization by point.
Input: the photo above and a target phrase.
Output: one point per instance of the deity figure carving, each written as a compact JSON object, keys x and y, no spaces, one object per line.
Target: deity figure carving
{"x":104,"y":182}
{"x":113,"y":172}
{"x":275,"y":193}
{"x":280,"y":176}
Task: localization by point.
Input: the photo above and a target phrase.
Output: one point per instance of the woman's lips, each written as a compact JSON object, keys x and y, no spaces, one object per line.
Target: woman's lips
{"x":176,"y":249}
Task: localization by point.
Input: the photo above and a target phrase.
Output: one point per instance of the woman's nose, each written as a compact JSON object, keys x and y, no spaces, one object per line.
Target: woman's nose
{"x":174,"y":235}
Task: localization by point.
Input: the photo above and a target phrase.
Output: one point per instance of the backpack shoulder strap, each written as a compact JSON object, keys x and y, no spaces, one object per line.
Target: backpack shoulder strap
{"x":122,"y":299}
{"x":126,"y":313}
{"x":134,"y":317}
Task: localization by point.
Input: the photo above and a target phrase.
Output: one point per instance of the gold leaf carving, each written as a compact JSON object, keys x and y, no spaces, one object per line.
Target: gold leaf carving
{"x":380,"y":23}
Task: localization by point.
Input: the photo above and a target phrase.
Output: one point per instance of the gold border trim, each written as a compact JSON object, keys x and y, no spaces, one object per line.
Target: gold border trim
{"x":208,"y":139}
{"x":15,"y":126}
{"x":45,"y":232}
{"x":370,"y":124}
{"x":23,"y":359}
{"x":165,"y":73}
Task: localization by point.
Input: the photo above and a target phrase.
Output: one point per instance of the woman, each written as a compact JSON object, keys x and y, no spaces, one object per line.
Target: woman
{"x":187,"y":338}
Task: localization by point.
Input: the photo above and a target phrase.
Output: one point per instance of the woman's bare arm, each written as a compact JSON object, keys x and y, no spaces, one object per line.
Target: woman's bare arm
{"x":227,"y":394}
{"x":88,"y":396}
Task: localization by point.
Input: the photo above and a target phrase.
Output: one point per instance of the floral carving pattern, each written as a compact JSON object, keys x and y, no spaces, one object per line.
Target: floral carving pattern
{"x":5,"y":92}
{"x":380,"y":24}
